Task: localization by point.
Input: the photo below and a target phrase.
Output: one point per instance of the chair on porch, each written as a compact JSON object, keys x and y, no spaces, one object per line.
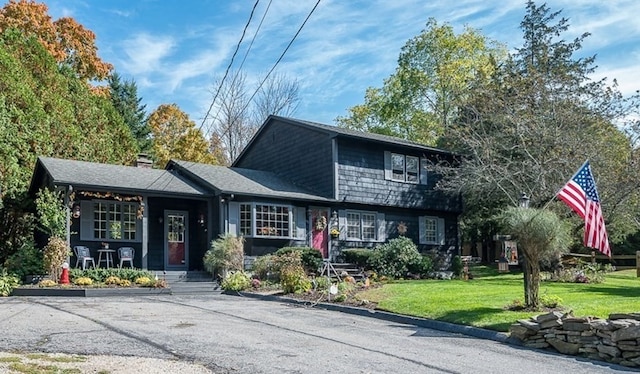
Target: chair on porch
{"x":126,"y":254}
{"x":83,"y":254}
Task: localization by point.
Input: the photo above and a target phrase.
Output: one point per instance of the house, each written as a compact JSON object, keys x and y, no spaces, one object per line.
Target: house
{"x":294,"y":184}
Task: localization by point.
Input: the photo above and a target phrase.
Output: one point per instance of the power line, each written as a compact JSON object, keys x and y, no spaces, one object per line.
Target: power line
{"x":281,"y":56}
{"x":230,"y":63}
{"x":246,"y":54}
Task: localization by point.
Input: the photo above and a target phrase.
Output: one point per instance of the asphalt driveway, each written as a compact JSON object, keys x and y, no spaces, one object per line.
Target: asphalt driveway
{"x":233,"y":334}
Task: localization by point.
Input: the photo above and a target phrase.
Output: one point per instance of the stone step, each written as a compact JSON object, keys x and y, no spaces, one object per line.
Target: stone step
{"x":192,"y":288}
{"x":184,"y":276}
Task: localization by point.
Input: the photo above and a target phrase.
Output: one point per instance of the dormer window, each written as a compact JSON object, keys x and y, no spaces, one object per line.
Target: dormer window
{"x":405,"y":168}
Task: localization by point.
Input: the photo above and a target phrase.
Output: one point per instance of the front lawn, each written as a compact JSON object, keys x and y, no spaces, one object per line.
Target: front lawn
{"x":481,"y":301}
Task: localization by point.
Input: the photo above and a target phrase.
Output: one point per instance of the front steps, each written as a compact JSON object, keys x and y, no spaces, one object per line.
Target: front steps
{"x":189,"y":282}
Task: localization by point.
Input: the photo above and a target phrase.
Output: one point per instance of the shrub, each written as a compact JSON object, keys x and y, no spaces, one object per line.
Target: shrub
{"x":550,"y":301}
{"x":124,"y":283}
{"x":83,"y":281}
{"x":47,"y":283}
{"x":359,"y":256}
{"x":293,"y":278}
{"x":142,"y":281}
{"x":55,"y":254}
{"x":395,"y":258}
{"x":28,"y":260}
{"x":422,"y":267}
{"x":236,"y":281}
{"x":112,"y":280}
{"x":311,"y":258}
{"x":457,"y":266}
{"x":99,"y":275}
{"x":265,"y":269}
{"x":7,"y":283}
{"x":226,"y":254}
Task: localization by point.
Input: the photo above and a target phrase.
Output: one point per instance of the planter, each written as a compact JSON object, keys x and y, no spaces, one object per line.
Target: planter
{"x":88,"y":292}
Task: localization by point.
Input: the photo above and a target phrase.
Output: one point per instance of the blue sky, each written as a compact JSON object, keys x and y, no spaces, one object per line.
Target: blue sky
{"x":174,"y":50}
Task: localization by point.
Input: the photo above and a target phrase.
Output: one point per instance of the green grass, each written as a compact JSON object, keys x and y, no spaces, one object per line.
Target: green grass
{"x":481,"y":301}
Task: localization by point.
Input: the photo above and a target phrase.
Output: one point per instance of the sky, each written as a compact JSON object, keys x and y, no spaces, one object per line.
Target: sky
{"x":175,"y":51}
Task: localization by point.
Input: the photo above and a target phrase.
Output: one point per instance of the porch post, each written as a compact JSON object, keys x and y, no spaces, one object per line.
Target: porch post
{"x":67,"y":209}
{"x":145,"y":233}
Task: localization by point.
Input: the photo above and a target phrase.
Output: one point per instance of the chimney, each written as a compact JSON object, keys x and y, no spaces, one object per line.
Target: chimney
{"x":143,"y":161}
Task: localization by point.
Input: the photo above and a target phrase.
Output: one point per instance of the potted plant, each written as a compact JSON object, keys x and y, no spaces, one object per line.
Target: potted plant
{"x":335,"y":233}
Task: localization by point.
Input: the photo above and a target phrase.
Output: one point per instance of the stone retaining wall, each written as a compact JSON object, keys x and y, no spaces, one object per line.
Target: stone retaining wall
{"x":615,"y":340}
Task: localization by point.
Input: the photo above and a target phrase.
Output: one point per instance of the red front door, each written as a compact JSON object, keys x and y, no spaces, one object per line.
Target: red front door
{"x":320,"y":230}
{"x":176,"y":239}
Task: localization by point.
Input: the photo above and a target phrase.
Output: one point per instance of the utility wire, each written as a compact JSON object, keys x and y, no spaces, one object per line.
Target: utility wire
{"x":230,"y":63}
{"x":246,"y":54}
{"x":280,"y":58}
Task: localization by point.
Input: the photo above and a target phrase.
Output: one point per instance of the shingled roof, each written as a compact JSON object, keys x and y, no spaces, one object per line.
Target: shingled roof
{"x":344,"y":132}
{"x":225,"y":180}
{"x":113,"y":177}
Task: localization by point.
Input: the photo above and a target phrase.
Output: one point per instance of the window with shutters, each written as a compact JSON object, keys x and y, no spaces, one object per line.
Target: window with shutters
{"x":431,"y":230}
{"x":361,"y":225}
{"x":405,"y":168}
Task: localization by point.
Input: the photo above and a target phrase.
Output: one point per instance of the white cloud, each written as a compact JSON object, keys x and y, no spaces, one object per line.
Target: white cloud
{"x":146,"y":52}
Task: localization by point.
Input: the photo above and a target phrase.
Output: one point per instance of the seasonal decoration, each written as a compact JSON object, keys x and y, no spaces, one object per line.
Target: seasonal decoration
{"x":110,"y":195}
{"x":402,"y":228}
{"x":320,"y":224}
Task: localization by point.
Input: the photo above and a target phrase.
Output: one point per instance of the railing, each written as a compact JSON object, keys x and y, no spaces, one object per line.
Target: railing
{"x":597,"y":257}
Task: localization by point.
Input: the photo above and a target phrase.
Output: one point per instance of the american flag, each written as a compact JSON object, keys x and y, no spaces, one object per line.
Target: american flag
{"x":581,"y":195}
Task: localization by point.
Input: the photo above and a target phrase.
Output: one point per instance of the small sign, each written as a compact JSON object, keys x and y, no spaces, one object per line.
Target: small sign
{"x":510,"y":252}
{"x":333,"y":289}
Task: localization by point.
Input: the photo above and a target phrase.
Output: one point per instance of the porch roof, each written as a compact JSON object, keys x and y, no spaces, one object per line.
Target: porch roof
{"x":240,"y":181}
{"x":113,"y":177}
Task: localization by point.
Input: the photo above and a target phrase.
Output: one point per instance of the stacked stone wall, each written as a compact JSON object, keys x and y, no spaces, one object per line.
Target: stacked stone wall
{"x":615,"y":340}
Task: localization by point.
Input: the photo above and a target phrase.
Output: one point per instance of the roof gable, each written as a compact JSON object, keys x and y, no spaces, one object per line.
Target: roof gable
{"x":336,"y":131}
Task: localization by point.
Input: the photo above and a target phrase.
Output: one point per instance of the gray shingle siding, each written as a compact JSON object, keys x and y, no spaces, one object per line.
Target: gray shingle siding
{"x":361,"y":179}
{"x":298,"y":154}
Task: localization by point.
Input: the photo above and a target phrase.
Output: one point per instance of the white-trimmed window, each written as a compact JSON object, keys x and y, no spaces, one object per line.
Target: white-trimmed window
{"x":245,"y":220}
{"x":273,"y":220}
{"x":266,"y":220}
{"x":362,"y":225}
{"x":405,"y":168}
{"x":431,"y":230}
{"x":109,"y":220}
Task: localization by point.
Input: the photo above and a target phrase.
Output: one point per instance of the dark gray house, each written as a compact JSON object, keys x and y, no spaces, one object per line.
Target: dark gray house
{"x":296,"y":183}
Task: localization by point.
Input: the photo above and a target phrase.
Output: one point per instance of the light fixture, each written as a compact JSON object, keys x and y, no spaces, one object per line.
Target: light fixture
{"x":201,"y":219}
{"x":524,"y":200}
{"x":76,"y":211}
{"x":159,"y":219}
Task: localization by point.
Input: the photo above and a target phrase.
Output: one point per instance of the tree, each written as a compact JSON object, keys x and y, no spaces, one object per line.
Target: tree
{"x":232,"y":127}
{"x":434,"y":75}
{"x":176,"y":136}
{"x":65,"y":39}
{"x":278,"y":96}
{"x":237,"y":118}
{"x":535,"y":122}
{"x":539,"y":233}
{"x":124,"y":96}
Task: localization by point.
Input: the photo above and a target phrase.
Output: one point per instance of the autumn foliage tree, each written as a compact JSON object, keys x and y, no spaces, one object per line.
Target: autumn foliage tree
{"x":65,"y":39}
{"x":176,"y":136}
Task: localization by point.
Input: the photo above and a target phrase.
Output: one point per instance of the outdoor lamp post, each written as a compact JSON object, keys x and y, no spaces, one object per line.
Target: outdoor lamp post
{"x":524,"y":200}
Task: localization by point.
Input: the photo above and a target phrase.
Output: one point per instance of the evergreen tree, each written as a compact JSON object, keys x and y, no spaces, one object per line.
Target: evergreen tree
{"x":124,"y":96}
